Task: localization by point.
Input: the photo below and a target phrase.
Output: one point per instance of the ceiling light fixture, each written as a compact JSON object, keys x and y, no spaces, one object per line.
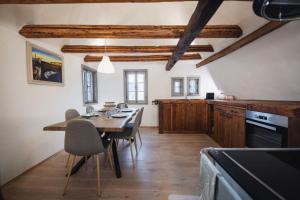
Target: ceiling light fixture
{"x":106,"y":66}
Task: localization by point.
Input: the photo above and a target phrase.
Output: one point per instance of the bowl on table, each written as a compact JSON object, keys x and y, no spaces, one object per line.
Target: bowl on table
{"x":89,"y":115}
{"x":119,"y":115}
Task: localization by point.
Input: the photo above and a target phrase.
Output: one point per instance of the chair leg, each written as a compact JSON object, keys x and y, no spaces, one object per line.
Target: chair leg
{"x":68,"y":160}
{"x":117,"y":142}
{"x":106,"y":158}
{"x":69,"y":174}
{"x":108,"y":154}
{"x":140,"y":136}
{"x":98,"y":175}
{"x":135,"y":144}
{"x":85,"y":161}
{"x":110,"y":158}
{"x":130,"y":142}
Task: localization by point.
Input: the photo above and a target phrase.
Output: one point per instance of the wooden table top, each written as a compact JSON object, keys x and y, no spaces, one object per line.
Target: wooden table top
{"x":102,"y":123}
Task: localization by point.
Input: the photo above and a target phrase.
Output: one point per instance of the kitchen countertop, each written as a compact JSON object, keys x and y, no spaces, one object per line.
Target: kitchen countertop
{"x":286,"y":108}
{"x":262,"y":173}
{"x":156,"y":101}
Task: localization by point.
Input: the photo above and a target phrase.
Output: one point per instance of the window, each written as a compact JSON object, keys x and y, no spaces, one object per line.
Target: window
{"x":89,"y":85}
{"x":177,"y":86}
{"x":193,"y":86}
{"x":135,"y":86}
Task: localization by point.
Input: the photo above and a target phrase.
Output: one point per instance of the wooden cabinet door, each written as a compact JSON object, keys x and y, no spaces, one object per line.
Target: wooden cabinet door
{"x":229,"y":126}
{"x":234,"y":127}
{"x":218,"y":126}
{"x":196,"y":118}
{"x":227,"y":129}
{"x":191,"y":117}
{"x":238,"y":135}
{"x":178,"y":118}
{"x":165,"y":117}
{"x":202,"y":118}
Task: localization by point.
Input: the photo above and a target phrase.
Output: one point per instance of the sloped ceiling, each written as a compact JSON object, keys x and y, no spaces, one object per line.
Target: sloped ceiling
{"x":268,"y":68}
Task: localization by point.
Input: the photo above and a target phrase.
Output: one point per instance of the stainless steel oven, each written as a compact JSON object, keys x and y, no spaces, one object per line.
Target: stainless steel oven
{"x":265,"y":130}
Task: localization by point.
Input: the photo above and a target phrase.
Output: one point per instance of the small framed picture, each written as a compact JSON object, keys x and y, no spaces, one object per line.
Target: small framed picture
{"x":44,"y":66}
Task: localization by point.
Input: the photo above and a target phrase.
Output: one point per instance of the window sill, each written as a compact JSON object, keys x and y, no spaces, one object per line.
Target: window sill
{"x":137,"y":103}
{"x":91,"y":103}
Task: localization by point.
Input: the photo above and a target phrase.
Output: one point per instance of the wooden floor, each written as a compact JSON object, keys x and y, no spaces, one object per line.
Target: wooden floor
{"x":166,"y":164}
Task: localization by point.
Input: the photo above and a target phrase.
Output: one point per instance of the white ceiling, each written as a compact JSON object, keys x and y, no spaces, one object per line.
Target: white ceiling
{"x":176,"y":13}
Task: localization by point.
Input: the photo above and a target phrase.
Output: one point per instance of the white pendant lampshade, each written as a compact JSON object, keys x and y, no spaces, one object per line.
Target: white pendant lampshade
{"x":105,"y":66}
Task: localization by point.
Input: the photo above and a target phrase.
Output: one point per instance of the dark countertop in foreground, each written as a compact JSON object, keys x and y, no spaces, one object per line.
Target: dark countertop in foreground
{"x":287,"y":108}
{"x":262,"y":173}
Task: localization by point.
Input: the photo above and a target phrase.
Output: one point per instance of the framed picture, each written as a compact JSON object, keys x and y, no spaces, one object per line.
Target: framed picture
{"x":43,"y":66}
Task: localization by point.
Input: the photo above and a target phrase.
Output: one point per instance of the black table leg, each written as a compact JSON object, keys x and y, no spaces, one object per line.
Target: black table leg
{"x":1,"y":197}
{"x":116,"y":160}
{"x":78,"y":165}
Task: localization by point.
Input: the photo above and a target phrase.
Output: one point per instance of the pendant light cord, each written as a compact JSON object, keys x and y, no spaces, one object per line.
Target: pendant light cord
{"x":105,"y":50}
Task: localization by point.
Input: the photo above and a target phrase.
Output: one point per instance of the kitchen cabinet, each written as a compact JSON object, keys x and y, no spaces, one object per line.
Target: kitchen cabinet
{"x":183,"y":116}
{"x":165,"y":111}
{"x":229,"y":126}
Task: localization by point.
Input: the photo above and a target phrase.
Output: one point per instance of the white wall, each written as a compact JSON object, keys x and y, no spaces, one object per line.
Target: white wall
{"x":111,"y":87}
{"x":268,"y":68}
{"x":27,"y":108}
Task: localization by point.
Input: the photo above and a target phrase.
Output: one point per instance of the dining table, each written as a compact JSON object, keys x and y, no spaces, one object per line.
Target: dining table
{"x":104,"y":123}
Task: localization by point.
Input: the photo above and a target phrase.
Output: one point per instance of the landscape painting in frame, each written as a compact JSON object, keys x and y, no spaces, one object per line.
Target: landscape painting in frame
{"x":44,"y":67}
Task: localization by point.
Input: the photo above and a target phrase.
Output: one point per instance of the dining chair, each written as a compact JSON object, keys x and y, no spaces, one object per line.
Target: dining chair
{"x":129,"y":134}
{"x":71,"y":114}
{"x":90,"y":109}
{"x":122,"y":105}
{"x":142,"y":111}
{"x":82,"y":139}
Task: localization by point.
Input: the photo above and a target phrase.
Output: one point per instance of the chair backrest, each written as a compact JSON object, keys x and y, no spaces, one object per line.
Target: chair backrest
{"x":90,"y":109}
{"x":82,"y":138}
{"x":142,"y":111}
{"x":122,"y":105}
{"x":71,"y":114}
{"x":136,"y":123}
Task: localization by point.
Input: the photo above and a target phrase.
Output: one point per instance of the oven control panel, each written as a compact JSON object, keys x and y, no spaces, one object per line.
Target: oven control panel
{"x":268,"y":118}
{"x":261,"y":117}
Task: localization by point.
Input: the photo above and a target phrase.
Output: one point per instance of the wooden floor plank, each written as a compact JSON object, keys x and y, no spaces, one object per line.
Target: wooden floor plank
{"x":167,"y":164}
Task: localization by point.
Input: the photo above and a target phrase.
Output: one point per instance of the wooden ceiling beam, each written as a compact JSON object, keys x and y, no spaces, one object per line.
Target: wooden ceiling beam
{"x":147,"y":58}
{"x":90,"y":1}
{"x":269,"y":27}
{"x":203,"y":13}
{"x":131,"y":49}
{"x":126,"y":31}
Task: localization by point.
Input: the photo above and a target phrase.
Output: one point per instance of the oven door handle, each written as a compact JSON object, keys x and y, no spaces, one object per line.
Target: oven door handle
{"x":261,"y":125}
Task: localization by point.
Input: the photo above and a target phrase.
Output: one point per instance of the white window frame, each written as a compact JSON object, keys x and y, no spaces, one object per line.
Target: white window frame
{"x":84,"y":85}
{"x":136,"y":71}
{"x":189,"y":93}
